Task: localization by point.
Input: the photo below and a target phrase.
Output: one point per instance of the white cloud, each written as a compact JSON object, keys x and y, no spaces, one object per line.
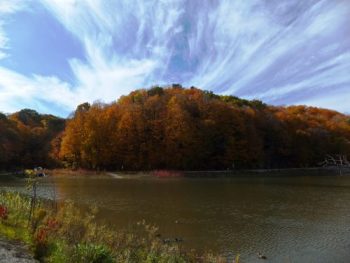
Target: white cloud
{"x":7,"y":8}
{"x":331,"y":74}
{"x":115,"y":64}
{"x":105,"y":75}
{"x":251,"y":37}
{"x":3,"y":41}
{"x":109,"y":82}
{"x":18,"y":91}
{"x":277,"y":50}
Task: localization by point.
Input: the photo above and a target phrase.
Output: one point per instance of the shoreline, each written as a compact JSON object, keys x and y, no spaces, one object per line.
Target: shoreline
{"x":284,"y":172}
{"x":310,"y":171}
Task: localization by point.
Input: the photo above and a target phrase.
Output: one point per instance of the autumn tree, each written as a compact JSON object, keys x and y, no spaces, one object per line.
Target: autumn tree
{"x":175,"y":128}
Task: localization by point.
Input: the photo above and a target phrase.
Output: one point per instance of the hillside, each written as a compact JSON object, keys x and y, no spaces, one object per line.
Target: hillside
{"x":26,"y":139}
{"x":176,"y":128}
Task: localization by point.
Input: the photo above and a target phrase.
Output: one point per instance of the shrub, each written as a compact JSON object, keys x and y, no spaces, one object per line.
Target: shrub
{"x":91,"y":253}
{"x":72,"y":235}
{"x":3,"y":212}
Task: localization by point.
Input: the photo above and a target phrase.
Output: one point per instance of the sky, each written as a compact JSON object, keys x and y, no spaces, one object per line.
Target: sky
{"x":56,"y":54}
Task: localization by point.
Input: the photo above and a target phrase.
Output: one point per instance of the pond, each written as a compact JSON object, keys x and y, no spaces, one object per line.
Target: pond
{"x":288,"y":219}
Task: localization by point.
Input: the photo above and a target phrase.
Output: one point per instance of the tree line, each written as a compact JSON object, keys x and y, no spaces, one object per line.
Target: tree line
{"x":26,"y":139}
{"x":175,"y":128}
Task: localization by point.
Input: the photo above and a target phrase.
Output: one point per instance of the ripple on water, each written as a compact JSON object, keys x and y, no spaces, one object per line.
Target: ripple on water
{"x":304,"y":218}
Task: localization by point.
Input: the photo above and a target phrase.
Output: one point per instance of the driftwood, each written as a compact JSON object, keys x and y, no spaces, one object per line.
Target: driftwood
{"x":337,"y":160}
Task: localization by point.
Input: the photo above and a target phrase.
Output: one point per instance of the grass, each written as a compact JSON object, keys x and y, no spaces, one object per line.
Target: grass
{"x":68,"y":234}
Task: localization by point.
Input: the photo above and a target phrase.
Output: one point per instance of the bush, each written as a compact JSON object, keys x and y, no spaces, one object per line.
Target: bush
{"x":72,"y":235}
{"x":91,"y":253}
{"x":3,"y":212}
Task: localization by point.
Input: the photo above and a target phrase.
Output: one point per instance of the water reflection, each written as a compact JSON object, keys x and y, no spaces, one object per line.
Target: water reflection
{"x":304,"y":219}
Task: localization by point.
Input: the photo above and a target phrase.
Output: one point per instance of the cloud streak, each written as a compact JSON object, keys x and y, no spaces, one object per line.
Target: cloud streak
{"x":44,"y":92}
{"x":6,"y":8}
{"x":281,"y":51}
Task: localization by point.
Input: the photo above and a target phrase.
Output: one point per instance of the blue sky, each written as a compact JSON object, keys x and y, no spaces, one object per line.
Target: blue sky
{"x":55,"y":54}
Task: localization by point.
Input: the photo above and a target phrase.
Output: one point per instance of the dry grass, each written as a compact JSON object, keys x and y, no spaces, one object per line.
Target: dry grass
{"x":72,"y":235}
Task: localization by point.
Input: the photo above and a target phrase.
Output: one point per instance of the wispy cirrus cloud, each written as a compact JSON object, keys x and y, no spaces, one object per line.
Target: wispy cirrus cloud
{"x":6,"y":8}
{"x":127,"y":44}
{"x":281,"y":51}
{"x":42,"y":93}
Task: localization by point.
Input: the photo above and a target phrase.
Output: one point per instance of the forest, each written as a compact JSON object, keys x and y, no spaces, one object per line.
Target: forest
{"x":174,"y":128}
{"x":27,"y":139}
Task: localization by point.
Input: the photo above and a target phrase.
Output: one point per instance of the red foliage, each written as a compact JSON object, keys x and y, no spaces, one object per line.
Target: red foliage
{"x":52,"y":224}
{"x":3,"y":212}
{"x":45,"y":230}
{"x":41,"y":236}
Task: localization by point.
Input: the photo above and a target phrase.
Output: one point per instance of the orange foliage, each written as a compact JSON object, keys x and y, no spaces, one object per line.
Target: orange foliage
{"x":176,"y":128}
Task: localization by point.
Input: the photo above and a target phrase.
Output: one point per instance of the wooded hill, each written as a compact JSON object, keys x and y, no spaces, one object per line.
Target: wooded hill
{"x":26,"y":139}
{"x":175,"y":128}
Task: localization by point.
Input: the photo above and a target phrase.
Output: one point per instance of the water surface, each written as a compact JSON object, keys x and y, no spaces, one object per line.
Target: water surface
{"x":289,"y":219}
